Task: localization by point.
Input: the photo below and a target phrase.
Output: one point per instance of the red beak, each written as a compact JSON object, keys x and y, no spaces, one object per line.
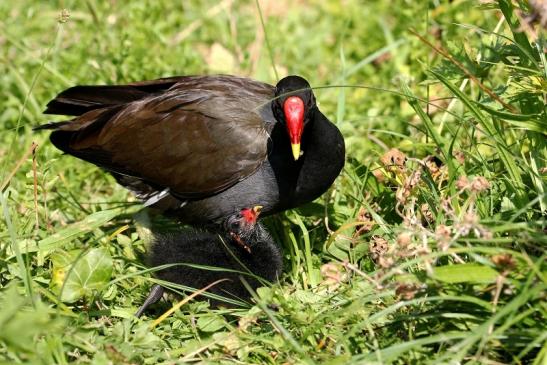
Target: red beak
{"x":294,"y":117}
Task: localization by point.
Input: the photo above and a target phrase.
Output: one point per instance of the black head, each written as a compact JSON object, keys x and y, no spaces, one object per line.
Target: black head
{"x":294,"y":105}
{"x":243,"y":222}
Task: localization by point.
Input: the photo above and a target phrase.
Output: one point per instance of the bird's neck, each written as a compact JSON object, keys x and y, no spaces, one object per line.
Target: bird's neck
{"x":265,"y":258}
{"x":314,"y":172}
{"x":322,"y":160}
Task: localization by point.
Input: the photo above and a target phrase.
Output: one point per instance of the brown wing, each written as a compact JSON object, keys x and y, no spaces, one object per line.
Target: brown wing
{"x":197,"y":138}
{"x":80,"y":99}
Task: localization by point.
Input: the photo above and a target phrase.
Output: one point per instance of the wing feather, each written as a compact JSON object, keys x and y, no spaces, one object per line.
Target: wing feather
{"x":197,"y":138}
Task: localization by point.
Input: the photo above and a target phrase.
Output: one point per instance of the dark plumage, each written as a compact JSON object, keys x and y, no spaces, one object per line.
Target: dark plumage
{"x":202,"y":147}
{"x":242,"y":244}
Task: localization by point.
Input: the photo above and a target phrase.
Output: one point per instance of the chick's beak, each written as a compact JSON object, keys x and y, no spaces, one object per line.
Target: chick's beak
{"x":257,"y":209}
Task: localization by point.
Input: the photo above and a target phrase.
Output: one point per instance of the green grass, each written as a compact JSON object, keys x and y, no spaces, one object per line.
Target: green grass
{"x":398,"y":263}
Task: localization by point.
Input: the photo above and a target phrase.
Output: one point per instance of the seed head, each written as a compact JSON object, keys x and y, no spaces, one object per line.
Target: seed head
{"x":378,"y":247}
{"x":479,"y":184}
{"x":394,"y":160}
{"x":64,"y":15}
{"x":504,"y":261}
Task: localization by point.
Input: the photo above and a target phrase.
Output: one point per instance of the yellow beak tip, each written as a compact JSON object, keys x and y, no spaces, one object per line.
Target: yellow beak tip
{"x":295,"y":150}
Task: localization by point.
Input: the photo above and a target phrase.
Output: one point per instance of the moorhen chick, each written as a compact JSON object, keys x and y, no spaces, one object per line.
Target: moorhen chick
{"x":202,"y":147}
{"x":242,"y":244}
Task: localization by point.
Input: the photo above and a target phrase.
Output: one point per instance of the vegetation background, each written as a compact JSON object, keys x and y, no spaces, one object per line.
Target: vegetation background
{"x":430,"y":247}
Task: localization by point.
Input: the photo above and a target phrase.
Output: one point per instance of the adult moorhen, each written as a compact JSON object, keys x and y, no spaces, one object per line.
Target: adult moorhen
{"x":241,"y":246}
{"x":202,"y":147}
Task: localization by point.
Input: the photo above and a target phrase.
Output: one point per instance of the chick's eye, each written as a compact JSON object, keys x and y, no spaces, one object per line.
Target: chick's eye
{"x":234,"y":225}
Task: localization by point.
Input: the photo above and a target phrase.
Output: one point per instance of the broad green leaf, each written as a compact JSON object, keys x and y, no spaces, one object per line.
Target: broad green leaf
{"x":89,"y":273}
{"x":61,"y":263}
{"x":210,"y":323}
{"x":465,"y":273}
{"x":339,"y":248}
{"x":74,"y":230}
